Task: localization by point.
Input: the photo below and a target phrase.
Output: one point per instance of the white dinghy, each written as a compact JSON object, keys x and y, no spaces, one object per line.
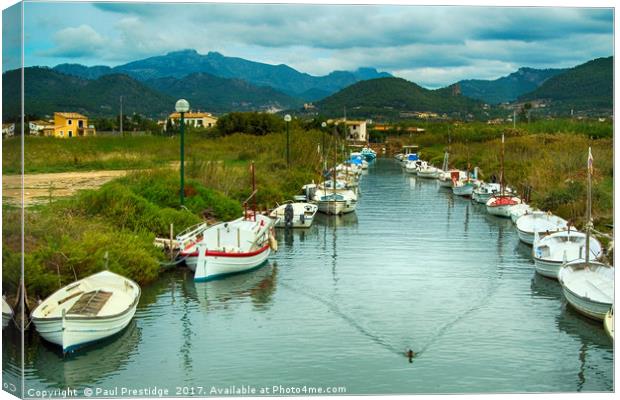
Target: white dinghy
{"x":551,"y":251}
{"x":539,"y":222}
{"x":500,"y":204}
{"x":588,"y":287}
{"x":428,"y":172}
{"x":88,"y":310}
{"x":294,"y":215}
{"x":7,"y":313}
{"x":336,"y":202}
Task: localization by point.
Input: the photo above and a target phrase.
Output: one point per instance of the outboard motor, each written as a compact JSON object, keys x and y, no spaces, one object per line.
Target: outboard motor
{"x":288,"y":215}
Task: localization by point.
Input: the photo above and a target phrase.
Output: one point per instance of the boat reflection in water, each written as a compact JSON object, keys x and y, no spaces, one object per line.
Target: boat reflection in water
{"x":592,"y":337}
{"x":258,"y":286}
{"x":344,"y":220}
{"x":544,"y":288}
{"x":86,"y":367}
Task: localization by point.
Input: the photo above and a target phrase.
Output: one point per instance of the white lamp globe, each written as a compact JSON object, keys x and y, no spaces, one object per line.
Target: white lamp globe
{"x":287,"y":118}
{"x":182,"y":106}
{"x":323,"y":124}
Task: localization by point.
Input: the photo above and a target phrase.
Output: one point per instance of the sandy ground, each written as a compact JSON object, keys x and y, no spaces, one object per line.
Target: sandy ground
{"x":39,"y":187}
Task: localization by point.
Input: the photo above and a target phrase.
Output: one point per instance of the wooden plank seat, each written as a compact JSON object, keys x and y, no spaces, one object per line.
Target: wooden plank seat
{"x":90,"y":303}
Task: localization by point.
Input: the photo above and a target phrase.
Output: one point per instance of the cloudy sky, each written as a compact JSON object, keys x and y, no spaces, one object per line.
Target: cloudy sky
{"x":433,"y":46}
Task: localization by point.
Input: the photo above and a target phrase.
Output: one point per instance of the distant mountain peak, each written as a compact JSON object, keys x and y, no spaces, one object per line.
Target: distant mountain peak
{"x":182,"y":52}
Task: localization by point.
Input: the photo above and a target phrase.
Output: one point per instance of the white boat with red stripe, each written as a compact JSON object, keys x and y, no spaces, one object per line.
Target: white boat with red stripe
{"x":236,"y":246}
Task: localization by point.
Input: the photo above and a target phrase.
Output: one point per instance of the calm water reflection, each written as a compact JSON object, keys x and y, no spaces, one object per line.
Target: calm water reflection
{"x":340,"y":303}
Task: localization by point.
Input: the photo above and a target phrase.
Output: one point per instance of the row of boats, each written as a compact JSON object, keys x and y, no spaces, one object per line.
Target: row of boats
{"x":103,"y":304}
{"x":559,"y":250}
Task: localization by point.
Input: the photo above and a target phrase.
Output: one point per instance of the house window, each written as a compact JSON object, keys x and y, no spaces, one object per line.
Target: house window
{"x":62,"y":133}
{"x":69,"y":122}
{"x":70,"y":133}
{"x":80,"y":123}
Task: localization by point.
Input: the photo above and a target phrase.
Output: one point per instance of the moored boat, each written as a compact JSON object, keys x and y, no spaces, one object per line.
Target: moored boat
{"x":483,"y":193}
{"x":336,"y":202}
{"x":187,"y":242}
{"x":588,"y":287}
{"x":88,"y":310}
{"x":539,"y":222}
{"x":518,"y":210}
{"x":551,"y":251}
{"x":501,"y":205}
{"x":294,"y":215}
{"x":235,"y":246}
{"x":428,"y":172}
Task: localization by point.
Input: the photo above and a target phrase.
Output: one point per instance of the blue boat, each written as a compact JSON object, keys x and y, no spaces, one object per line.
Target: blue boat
{"x":368,"y":153}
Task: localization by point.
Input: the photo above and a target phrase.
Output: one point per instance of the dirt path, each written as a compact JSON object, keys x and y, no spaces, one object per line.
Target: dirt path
{"x":39,"y":187}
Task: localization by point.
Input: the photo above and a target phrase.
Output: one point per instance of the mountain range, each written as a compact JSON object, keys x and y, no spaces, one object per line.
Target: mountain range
{"x":151,"y":86}
{"x":179,"y":64}
{"x":507,"y":88}
{"x":586,"y":87}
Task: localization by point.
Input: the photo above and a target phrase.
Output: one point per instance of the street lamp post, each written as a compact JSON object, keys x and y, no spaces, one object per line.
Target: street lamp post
{"x":287,"y":118}
{"x":182,"y":106}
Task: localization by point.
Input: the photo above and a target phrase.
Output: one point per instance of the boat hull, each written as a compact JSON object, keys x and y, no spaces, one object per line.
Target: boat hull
{"x":589,"y":308}
{"x":549,"y":269}
{"x":72,"y":333}
{"x":465,"y":190}
{"x":337,"y":207}
{"x":213,"y":267}
{"x":297,"y":222}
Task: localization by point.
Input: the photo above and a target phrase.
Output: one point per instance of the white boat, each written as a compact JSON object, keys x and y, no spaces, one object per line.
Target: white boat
{"x":307,"y":193}
{"x":539,"y":222}
{"x":88,"y":310}
{"x":336,"y":202}
{"x":7,"y":313}
{"x":463,"y":187}
{"x":551,"y":251}
{"x":187,"y":241}
{"x":428,"y":172}
{"x":608,"y":323}
{"x":413,"y":166}
{"x":588,"y":287}
{"x":294,"y":215}
{"x":518,"y":210}
{"x":446,"y":177}
{"x":501,"y":205}
{"x":235,"y":246}
{"x":484,"y":192}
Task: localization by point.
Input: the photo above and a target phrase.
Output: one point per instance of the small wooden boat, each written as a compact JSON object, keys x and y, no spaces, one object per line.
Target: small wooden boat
{"x":539,"y":222}
{"x":483,"y":193}
{"x":608,"y":322}
{"x":588,"y":287}
{"x":552,"y":251}
{"x":236,"y":246}
{"x":7,"y":313}
{"x":445,"y":178}
{"x":501,"y":205}
{"x":463,"y":188}
{"x":428,"y":172}
{"x":294,"y":215}
{"x":88,"y":310}
{"x":336,"y":202}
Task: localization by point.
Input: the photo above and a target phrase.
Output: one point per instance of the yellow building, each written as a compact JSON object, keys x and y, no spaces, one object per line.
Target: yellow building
{"x":194,"y":119}
{"x":70,"y":124}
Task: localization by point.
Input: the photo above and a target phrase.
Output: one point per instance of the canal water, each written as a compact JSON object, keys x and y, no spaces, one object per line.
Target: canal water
{"x":340,"y":304}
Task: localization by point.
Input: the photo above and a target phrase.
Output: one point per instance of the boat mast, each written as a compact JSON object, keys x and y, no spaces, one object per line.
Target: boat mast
{"x":501,"y":171}
{"x":589,"y":206}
